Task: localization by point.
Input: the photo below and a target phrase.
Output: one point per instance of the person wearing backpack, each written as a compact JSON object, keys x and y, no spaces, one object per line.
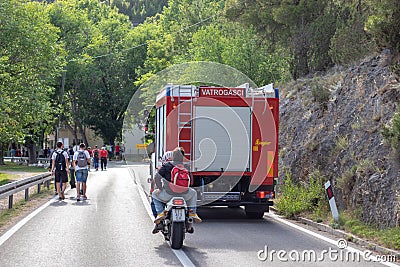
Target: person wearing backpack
{"x":81,"y":160}
{"x":59,"y":169}
{"x":173,"y":179}
{"x":96,"y":156}
{"x":164,"y":160}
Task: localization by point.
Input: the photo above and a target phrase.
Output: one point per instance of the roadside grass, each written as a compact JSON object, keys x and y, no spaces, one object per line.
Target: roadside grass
{"x":14,"y":167}
{"x":6,"y":178}
{"x":388,"y":237}
{"x":349,"y":222}
{"x":22,"y":207}
{"x":307,"y":199}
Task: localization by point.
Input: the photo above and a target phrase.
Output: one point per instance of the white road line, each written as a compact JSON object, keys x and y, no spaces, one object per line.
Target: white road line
{"x":21,"y":223}
{"x":179,"y":253}
{"x":326,"y":239}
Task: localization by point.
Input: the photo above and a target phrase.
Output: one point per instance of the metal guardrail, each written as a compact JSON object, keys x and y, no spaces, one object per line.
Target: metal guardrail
{"x":8,"y":190}
{"x":25,"y":159}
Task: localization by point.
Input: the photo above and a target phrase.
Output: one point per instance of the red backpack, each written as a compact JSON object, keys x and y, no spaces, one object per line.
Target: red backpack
{"x":180,"y":179}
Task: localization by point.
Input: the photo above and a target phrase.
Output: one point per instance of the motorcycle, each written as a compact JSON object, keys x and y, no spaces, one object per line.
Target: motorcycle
{"x":177,"y":222}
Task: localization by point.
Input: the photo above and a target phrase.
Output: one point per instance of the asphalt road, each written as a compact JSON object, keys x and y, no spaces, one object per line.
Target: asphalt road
{"x":113,"y":228}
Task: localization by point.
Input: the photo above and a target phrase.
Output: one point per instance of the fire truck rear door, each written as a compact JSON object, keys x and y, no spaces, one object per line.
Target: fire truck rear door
{"x":222,"y":139}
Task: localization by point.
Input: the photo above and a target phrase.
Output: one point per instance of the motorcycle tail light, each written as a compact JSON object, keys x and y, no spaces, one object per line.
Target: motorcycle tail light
{"x":177,"y":202}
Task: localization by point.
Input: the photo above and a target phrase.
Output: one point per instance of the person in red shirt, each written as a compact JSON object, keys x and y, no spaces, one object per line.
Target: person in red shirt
{"x":117,"y":151}
{"x":103,"y":158}
{"x":96,"y":157}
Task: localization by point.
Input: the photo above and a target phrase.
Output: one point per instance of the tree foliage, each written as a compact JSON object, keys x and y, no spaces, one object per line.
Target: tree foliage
{"x":139,"y":10}
{"x":383,"y":23}
{"x":30,"y":61}
{"x":107,"y":49}
{"x":100,"y":71}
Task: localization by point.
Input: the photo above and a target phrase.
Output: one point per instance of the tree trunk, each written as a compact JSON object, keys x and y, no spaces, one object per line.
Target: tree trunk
{"x":74,"y":133}
{"x":83,"y":134}
{"x":1,"y":154}
{"x":32,"y":158}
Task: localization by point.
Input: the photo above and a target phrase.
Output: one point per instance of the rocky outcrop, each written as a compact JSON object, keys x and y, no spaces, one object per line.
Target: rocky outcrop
{"x":334,"y":123}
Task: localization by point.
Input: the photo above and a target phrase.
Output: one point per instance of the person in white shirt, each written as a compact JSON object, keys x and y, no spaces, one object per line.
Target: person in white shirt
{"x":81,"y":161}
{"x":60,"y":170}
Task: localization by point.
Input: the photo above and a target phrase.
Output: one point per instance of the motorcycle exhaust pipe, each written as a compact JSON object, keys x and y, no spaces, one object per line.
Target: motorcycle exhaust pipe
{"x":190,"y":220}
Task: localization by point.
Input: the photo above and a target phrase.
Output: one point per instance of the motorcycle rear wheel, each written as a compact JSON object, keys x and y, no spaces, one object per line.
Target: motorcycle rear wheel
{"x":177,"y":235}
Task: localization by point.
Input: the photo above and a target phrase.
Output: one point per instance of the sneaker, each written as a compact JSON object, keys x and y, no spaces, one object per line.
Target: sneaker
{"x":157,"y":228}
{"x":78,"y":198}
{"x":195,"y":217}
{"x":190,"y":230}
{"x":84,"y":197}
{"x":160,"y":217}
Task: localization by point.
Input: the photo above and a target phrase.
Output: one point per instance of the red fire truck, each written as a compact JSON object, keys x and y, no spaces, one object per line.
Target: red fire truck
{"x":230,"y":138}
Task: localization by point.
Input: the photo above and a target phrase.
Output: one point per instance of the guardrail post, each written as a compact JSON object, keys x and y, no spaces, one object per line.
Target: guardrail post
{"x":10,"y":202}
{"x":26,"y":194}
{"x":48,"y":184}
{"x":38,"y":188}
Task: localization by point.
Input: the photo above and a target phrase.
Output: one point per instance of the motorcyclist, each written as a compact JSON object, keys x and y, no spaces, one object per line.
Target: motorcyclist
{"x":167,"y":157}
{"x":163,"y":193}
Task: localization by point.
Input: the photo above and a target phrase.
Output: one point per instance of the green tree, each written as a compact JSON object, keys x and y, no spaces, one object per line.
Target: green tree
{"x":384,"y":23}
{"x":30,"y":61}
{"x":350,"y":41}
{"x":77,"y":33}
{"x":139,"y":10}
{"x":302,"y":28}
{"x":100,"y":72}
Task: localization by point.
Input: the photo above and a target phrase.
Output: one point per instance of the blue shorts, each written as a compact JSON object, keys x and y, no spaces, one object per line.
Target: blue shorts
{"x":81,"y":175}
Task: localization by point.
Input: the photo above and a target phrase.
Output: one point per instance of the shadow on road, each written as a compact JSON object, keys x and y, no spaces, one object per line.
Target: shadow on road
{"x":225,"y":214}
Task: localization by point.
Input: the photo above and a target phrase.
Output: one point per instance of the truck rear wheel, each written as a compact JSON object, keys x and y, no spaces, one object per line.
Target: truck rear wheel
{"x":256,"y":212}
{"x":254,"y":215}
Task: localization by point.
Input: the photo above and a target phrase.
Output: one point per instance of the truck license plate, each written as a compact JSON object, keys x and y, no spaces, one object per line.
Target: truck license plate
{"x":178,"y":215}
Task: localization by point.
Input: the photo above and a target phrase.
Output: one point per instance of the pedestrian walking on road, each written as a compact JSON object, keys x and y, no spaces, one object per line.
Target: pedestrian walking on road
{"x":103,"y":158}
{"x":12,"y":152}
{"x":96,"y":157}
{"x":117,"y":151}
{"x":59,"y":169}
{"x":81,"y":162}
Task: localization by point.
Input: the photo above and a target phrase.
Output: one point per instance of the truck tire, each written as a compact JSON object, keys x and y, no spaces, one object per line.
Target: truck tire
{"x":254,"y":214}
{"x":177,"y":235}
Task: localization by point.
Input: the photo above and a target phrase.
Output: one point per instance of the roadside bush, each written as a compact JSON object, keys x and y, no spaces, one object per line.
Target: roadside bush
{"x":297,"y":198}
{"x":320,"y":91}
{"x":392,"y":132}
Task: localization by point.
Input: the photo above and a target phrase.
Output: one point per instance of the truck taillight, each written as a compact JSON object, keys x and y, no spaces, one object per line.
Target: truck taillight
{"x":265,"y":194}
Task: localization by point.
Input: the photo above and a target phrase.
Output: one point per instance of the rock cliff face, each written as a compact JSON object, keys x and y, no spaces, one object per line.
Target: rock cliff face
{"x":333,"y":123}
